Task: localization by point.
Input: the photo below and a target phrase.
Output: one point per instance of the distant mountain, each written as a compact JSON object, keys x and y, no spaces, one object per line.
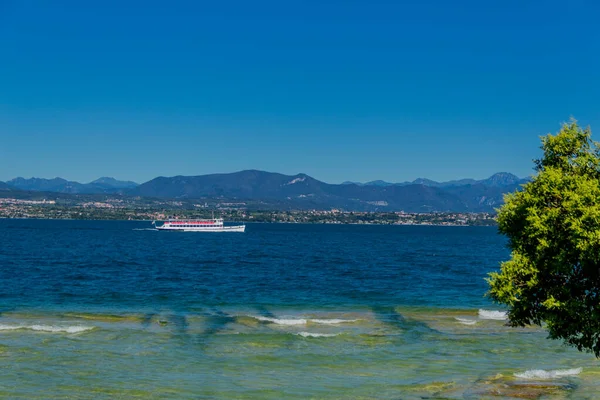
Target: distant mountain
{"x":460,"y":182}
{"x":480,"y":196}
{"x":371,"y":183}
{"x":47,"y":185}
{"x":378,"y":183}
{"x":299,"y":191}
{"x":250,"y":184}
{"x":352,"y":183}
{"x":59,"y":185}
{"x":426,"y":182}
{"x":112,"y":183}
{"x":502,"y":179}
{"x":5,"y":186}
{"x":498,"y":179}
{"x":303,"y":191}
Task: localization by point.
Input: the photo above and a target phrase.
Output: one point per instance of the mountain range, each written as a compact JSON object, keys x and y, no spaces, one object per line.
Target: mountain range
{"x":300,"y":191}
{"x":497,"y":180}
{"x":59,"y":185}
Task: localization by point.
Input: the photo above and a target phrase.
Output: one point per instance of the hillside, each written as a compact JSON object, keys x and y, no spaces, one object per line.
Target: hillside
{"x":499,"y":179}
{"x":303,"y":192}
{"x":59,"y":185}
{"x":112,"y":183}
{"x":287,"y":192}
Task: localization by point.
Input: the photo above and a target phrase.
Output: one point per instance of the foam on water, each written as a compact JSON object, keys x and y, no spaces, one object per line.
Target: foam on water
{"x":466,"y":321}
{"x":332,"y":321}
{"x":47,"y":328}
{"x":283,"y":321}
{"x":490,"y":314}
{"x":303,"y":321}
{"x":552,"y":374}
{"x":405,"y":344}
{"x":309,"y":334}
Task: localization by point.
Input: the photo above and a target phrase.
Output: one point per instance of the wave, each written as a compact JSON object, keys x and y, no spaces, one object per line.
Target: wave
{"x":552,"y":374}
{"x":466,"y":321}
{"x":144,"y":229}
{"x":47,"y":328}
{"x":489,"y":314}
{"x":282,"y":321}
{"x":332,"y":321}
{"x":304,"y":321}
{"x":308,"y":334}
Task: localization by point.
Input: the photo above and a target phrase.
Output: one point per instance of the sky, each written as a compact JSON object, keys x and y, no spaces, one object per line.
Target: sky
{"x":339,"y":90}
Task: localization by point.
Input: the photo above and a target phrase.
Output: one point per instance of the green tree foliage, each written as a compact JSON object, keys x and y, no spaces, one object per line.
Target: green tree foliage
{"x":553,"y":227}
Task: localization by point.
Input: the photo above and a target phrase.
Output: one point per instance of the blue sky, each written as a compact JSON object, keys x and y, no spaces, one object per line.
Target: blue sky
{"x":340,"y":90}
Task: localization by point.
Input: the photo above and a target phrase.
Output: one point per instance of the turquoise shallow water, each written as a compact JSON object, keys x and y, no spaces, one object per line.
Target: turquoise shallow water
{"x":108,"y":310}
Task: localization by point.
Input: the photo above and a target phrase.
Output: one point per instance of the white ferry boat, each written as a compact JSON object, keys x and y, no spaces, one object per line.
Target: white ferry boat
{"x":198,"y":225}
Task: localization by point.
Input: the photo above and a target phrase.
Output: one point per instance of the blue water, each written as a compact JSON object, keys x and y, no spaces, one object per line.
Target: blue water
{"x":349,"y":311}
{"x":109,"y":264}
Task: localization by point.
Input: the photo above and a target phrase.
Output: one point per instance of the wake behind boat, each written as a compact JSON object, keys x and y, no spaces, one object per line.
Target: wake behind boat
{"x":198,"y":225}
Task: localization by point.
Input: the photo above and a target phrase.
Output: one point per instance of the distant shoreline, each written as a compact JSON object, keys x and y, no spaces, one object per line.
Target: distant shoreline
{"x":255,"y":222}
{"x":31,"y":209}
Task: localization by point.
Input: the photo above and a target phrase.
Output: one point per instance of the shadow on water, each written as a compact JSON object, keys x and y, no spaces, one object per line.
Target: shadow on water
{"x":389,"y":316}
{"x":217,"y":322}
{"x":178,"y":321}
{"x":147,"y":319}
{"x":263,"y":312}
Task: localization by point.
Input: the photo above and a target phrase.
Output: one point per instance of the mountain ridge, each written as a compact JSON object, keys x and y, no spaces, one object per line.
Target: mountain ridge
{"x":60,"y":185}
{"x":299,"y":191}
{"x":497,"y":179}
{"x":303,"y":191}
{"x":109,"y":182}
{"x":5,"y":186}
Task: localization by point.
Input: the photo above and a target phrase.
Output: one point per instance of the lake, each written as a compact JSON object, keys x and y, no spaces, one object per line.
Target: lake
{"x":105,"y":309}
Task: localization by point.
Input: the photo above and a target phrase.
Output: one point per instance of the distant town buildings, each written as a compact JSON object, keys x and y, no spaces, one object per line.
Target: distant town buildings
{"x":115,"y":208}
{"x":27,"y":202}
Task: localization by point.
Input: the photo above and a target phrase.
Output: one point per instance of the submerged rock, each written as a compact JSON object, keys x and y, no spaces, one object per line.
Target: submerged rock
{"x":106,"y":317}
{"x":430,"y":390}
{"x":507,"y":387}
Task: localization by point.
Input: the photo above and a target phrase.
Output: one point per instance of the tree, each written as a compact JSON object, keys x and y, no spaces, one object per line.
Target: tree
{"x":553,"y":228}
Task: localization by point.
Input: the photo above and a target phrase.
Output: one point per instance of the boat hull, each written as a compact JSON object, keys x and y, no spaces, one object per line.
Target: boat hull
{"x":238,"y":228}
